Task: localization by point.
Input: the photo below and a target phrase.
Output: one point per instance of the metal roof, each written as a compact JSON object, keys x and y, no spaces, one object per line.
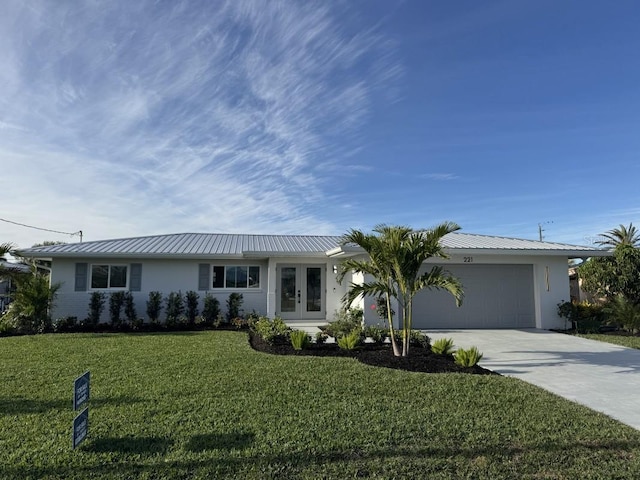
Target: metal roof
{"x":459,"y":240}
{"x":241,"y":245}
{"x":193,"y":245}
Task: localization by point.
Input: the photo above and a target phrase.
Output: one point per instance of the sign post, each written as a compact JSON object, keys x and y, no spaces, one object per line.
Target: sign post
{"x":81,"y":395}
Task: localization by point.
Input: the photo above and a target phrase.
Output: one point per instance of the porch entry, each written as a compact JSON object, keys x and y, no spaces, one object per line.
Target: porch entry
{"x":301,"y":292}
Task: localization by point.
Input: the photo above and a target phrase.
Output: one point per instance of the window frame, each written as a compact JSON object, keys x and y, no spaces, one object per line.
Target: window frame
{"x":109,"y":268}
{"x":249,"y":286}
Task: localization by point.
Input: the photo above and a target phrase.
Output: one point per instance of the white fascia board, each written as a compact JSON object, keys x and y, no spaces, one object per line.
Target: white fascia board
{"x":344,"y":251}
{"x":251,"y":254}
{"x":135,"y":255}
{"x":532,"y":252}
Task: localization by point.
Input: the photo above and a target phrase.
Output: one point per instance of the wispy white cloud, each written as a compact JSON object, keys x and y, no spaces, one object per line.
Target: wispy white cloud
{"x":440,"y":176}
{"x":126,"y":118}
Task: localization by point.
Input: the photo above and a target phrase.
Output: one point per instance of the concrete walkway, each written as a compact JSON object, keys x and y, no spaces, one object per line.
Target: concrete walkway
{"x":599,"y":375}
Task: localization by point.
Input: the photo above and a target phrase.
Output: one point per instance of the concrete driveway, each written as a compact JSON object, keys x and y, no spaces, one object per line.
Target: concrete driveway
{"x":599,"y":375}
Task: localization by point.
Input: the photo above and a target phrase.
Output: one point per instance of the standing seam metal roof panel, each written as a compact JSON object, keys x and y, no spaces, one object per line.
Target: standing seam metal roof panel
{"x":236,"y":244}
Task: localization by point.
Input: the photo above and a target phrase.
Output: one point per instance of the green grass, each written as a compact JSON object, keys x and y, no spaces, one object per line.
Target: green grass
{"x":204,"y":405}
{"x":631,"y":342}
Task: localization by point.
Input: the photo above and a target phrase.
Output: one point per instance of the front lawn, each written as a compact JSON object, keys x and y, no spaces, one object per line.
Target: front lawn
{"x":624,"y":340}
{"x":205,"y":405}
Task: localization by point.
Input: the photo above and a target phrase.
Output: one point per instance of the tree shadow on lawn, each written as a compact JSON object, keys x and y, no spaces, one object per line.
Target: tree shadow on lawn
{"x":362,"y":459}
{"x":18,"y":406}
{"x":159,"y":445}
{"x":130,"y":445}
{"x":217,"y":441}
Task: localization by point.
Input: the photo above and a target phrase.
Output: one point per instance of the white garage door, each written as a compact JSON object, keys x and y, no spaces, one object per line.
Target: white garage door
{"x":495,"y":296}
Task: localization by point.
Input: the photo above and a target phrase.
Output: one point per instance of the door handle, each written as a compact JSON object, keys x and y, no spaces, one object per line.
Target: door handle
{"x":298,"y":296}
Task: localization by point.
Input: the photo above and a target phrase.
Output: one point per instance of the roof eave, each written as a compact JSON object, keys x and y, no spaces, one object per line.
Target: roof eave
{"x":571,"y":253}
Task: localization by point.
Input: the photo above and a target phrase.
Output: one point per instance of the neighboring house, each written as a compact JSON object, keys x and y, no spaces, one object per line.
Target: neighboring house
{"x":508,"y":283}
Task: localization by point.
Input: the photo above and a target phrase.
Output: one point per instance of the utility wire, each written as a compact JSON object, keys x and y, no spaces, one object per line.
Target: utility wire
{"x":79,"y":232}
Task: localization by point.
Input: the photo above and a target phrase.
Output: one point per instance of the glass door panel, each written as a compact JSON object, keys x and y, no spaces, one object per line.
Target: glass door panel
{"x":288,"y":289}
{"x":314,"y":289}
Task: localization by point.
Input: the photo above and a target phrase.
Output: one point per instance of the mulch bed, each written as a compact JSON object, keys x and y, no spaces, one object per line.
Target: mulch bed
{"x":419,"y":359}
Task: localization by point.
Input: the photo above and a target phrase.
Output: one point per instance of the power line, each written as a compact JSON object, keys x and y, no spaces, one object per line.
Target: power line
{"x":79,"y":232}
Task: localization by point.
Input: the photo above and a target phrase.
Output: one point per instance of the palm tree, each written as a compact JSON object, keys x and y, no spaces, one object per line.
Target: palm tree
{"x":410,"y":251}
{"x":377,"y":266}
{"x":621,"y":236}
{"x":5,"y":249}
{"x":396,"y":256}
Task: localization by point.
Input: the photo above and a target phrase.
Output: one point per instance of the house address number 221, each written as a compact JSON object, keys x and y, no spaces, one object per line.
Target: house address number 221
{"x":467,"y":259}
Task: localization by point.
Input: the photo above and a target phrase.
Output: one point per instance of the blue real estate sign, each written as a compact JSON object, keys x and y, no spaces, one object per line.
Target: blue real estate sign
{"x":81,"y":390}
{"x":80,"y":427}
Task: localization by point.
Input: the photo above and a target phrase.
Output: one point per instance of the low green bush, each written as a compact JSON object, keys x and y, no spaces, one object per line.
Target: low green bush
{"x":192,"y":300}
{"x":65,"y":324}
{"x":584,"y":317}
{"x":116,"y":302}
{"x":443,"y":346}
{"x":234,"y":306}
{"x":344,"y":322}
{"x":96,"y":307}
{"x":175,"y":308}
{"x":130,"y":312}
{"x":239,"y":323}
{"x":376,"y":332}
{"x":299,"y":339}
{"x":350,"y":341}
{"x":271,"y":331}
{"x":467,"y":358}
{"x":210,"y":309}
{"x":419,"y":339}
{"x":321,"y":337}
{"x":154,"y":306}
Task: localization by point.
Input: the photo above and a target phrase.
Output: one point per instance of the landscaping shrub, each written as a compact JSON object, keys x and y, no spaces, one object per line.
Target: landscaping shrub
{"x":96,"y":307}
{"x":623,"y":313}
{"x":130,"y":309}
{"x":154,"y":306}
{"x":381,"y":309}
{"x":467,"y":358}
{"x":6,"y":328}
{"x":345,"y":321}
{"x":234,"y":306}
{"x":192,"y":306}
{"x":175,"y":308}
{"x":239,"y":323}
{"x":271,"y":331}
{"x":31,"y":304}
{"x":299,"y":339}
{"x":211,"y":309}
{"x":419,"y":339}
{"x":350,"y":341}
{"x":443,"y":346}
{"x":65,"y":324}
{"x":375,"y":332}
{"x":116,"y":302}
{"x":321,"y":337}
{"x":585,"y":317}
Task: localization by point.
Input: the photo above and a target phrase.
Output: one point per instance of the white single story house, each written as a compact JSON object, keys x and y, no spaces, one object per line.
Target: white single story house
{"x":508,"y":282}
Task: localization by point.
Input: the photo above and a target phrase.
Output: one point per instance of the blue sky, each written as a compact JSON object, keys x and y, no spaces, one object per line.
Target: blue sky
{"x":125,"y":118}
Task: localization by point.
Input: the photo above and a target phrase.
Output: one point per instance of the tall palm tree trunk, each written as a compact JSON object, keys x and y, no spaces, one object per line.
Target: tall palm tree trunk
{"x":394,"y":344}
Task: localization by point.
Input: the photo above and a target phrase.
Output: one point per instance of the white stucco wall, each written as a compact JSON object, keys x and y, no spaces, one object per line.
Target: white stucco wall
{"x":551,"y":284}
{"x":172,"y":275}
{"x":157,"y":275}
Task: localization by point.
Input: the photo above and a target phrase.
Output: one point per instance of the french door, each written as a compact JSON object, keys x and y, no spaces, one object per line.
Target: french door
{"x":301,"y":292}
